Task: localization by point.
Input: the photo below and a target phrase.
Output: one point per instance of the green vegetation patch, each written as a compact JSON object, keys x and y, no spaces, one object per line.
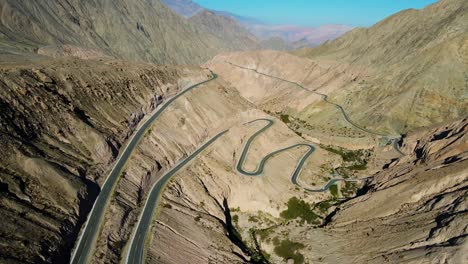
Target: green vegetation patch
{"x":253,"y":219}
{"x":334,"y":190}
{"x":347,"y":155}
{"x":285,"y":118}
{"x":235,"y":219}
{"x":323,"y":206}
{"x":359,"y":166}
{"x":288,"y":249}
{"x":265,"y":233}
{"x":358,"y":158}
{"x":300,"y":209}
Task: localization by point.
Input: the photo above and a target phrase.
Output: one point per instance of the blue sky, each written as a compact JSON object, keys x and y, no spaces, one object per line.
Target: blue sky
{"x":315,"y":12}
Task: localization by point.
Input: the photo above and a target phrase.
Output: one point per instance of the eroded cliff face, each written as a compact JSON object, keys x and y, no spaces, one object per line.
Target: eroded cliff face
{"x":62,"y":125}
{"x":414,"y":211}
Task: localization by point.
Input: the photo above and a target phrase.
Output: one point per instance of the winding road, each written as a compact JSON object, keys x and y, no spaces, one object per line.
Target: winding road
{"x":393,"y":138}
{"x":136,"y":251}
{"x":85,"y":246}
{"x":297,"y":170}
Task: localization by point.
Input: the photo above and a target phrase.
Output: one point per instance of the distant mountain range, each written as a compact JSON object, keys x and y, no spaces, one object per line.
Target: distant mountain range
{"x":292,"y":35}
{"x":299,"y":36}
{"x":185,"y":8}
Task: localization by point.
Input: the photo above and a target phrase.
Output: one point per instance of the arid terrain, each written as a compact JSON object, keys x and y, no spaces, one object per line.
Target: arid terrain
{"x":354,"y":151}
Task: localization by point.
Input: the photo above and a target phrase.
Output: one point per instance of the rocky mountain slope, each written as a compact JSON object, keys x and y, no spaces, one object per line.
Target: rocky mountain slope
{"x":143,"y":30}
{"x":225,"y":28}
{"x":399,"y":58}
{"x":62,"y":125}
{"x":410,"y":69}
{"x":185,"y":8}
{"x":413,"y":212}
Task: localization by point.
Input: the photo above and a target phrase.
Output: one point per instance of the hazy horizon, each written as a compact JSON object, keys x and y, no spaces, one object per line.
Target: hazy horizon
{"x":315,"y":13}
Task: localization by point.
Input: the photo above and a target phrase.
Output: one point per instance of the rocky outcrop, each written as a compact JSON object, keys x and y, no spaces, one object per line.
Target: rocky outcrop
{"x":227,"y":29}
{"x":412,"y":212}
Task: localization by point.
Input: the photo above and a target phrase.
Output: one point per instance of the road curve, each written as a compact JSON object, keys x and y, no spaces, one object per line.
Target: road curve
{"x":393,"y":138}
{"x":136,"y":252}
{"x":297,"y":170}
{"x":85,"y":245}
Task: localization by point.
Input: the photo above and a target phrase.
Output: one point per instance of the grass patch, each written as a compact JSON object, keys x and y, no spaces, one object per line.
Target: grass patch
{"x":264,"y":233}
{"x":299,"y":209}
{"x":359,"y":166}
{"x":357,"y":158}
{"x":288,"y":249}
{"x":347,"y":155}
{"x":334,"y":190}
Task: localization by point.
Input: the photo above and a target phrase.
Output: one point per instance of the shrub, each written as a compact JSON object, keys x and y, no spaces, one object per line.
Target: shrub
{"x":285,"y":118}
{"x":323,"y":206}
{"x":235,"y":219}
{"x":299,"y":209}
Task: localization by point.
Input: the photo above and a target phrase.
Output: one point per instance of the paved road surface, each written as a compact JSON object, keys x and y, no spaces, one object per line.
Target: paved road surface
{"x":297,"y":170}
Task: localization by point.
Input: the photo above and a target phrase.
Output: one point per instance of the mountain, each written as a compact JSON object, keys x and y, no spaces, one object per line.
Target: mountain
{"x":243,"y":20}
{"x":143,"y":30}
{"x":390,"y":66}
{"x":297,"y":36}
{"x":398,"y":59}
{"x":186,"y":8}
{"x":276,"y":43}
{"x":226,"y":29}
